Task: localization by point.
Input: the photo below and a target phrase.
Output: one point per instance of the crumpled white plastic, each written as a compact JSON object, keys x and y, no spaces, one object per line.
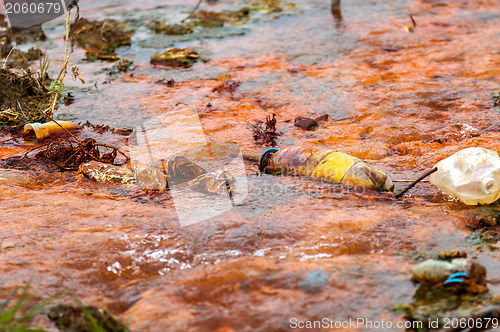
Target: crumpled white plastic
{"x":471,"y":175}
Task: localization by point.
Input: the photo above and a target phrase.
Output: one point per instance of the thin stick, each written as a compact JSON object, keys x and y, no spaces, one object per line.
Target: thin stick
{"x":413,"y":21}
{"x":411,"y":185}
{"x":194,"y":9}
{"x":49,"y":112}
{"x":8,"y":55}
{"x":408,"y":180}
{"x":62,"y":72}
{"x":60,"y":78}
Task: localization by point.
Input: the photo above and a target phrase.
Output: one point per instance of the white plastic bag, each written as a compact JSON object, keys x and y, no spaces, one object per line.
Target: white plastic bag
{"x":471,"y":175}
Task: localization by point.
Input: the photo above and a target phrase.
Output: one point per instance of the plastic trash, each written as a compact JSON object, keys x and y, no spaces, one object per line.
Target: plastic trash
{"x":433,"y":272}
{"x":106,"y":173}
{"x":149,"y":176}
{"x":471,"y":175}
{"x":324,"y":164}
{"x":219,"y":182}
{"x":458,"y":277}
{"x":152,"y":176}
{"x":44,"y":130}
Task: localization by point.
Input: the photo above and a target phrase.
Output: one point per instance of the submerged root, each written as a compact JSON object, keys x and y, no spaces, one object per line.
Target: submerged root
{"x":69,"y":154}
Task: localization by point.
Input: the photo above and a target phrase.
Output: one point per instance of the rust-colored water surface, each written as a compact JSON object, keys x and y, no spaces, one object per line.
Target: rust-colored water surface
{"x":399,"y":99}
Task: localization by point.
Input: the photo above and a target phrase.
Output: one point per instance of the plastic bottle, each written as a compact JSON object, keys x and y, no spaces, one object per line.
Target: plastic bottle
{"x":471,"y":175}
{"x":44,"y":130}
{"x":324,"y":164}
{"x":436,"y":271}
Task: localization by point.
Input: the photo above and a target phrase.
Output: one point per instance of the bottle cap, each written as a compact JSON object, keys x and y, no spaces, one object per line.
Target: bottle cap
{"x":264,"y":157}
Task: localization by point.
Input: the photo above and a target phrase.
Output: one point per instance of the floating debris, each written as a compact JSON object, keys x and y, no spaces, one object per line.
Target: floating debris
{"x":70,"y":153}
{"x":436,"y":272}
{"x":448,"y":291}
{"x":176,"y":57}
{"x":150,"y":176}
{"x":266,"y":136}
{"x":324,"y":164}
{"x":179,"y":169}
{"x":218,"y":182}
{"x":471,"y":175}
{"x":49,"y":129}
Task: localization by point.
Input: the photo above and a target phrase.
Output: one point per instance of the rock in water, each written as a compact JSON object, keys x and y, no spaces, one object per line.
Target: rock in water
{"x":305,"y":123}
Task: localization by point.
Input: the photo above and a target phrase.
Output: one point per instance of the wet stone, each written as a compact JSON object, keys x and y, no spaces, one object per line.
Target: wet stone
{"x":305,"y":123}
{"x":176,"y":57}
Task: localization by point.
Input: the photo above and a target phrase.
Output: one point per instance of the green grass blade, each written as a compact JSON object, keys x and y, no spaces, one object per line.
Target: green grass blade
{"x":39,"y":308}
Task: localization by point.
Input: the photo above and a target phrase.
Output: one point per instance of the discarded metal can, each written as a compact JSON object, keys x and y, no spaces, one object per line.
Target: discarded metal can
{"x":471,"y":175}
{"x":324,"y":164}
{"x":44,"y":130}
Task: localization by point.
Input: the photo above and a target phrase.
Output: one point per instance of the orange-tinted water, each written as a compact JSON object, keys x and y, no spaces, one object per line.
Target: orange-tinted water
{"x":401,"y":100}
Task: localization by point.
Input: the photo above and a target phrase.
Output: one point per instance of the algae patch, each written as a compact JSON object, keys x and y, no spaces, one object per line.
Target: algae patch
{"x":101,"y":38}
{"x":176,"y":57}
{"x":210,"y":19}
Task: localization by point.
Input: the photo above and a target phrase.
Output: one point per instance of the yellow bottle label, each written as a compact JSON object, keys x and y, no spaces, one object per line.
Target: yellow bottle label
{"x":333,"y":166}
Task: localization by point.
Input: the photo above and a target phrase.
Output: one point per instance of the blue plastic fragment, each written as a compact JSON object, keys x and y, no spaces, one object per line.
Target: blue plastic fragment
{"x":455,"y":278}
{"x":459,"y":274}
{"x":266,"y":151}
